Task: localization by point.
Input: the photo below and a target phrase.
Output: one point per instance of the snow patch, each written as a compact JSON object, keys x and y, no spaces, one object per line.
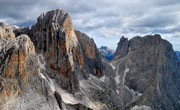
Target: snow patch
{"x":50,"y":83}
{"x":117,"y":91}
{"x":117,"y":79}
{"x":143,"y":107}
{"x":125,"y":72}
{"x":42,"y":66}
{"x":67,"y":97}
{"x":102,"y":78}
{"x":131,"y":90}
{"x":138,"y":94}
{"x":43,"y":76}
{"x":113,"y":67}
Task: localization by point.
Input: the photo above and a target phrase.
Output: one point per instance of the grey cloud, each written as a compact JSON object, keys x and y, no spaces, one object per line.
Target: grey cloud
{"x":167,"y":2}
{"x":102,"y":19}
{"x":162,"y":20}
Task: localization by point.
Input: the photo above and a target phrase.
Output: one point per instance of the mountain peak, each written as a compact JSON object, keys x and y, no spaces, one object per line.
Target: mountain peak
{"x":122,"y":48}
{"x":6,"y":31}
{"x":146,"y":65}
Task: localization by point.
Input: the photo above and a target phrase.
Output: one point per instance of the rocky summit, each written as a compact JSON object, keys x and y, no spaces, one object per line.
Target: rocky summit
{"x":52,"y":66}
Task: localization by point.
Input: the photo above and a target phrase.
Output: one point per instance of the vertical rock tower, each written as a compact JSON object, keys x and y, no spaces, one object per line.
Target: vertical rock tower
{"x":55,"y":39}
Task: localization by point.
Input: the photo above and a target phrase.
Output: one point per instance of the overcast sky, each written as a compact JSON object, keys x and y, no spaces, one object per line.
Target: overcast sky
{"x":104,"y":20}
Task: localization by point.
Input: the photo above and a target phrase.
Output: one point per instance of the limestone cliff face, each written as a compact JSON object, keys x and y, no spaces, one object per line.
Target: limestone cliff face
{"x":149,"y":72}
{"x":122,"y":48}
{"x":54,"y":37}
{"x":21,"y":86}
{"x":66,"y":62}
{"x":6,"y":31}
{"x":91,"y":55}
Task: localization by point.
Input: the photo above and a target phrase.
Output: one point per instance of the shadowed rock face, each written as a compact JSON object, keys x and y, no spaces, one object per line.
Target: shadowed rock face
{"x":122,"y":48}
{"x":91,"y":55}
{"x":149,"y":67}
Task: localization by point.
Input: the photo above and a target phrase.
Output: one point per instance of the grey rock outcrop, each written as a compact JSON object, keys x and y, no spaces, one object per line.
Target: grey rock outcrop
{"x":122,"y":48}
{"x":149,"y":73}
{"x":91,"y":55}
{"x":100,"y":85}
{"x":21,"y":87}
{"x":7,"y":31}
{"x":54,"y":38}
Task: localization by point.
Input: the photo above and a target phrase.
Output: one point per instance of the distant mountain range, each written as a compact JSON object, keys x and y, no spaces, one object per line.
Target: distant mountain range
{"x":178,"y":55}
{"x":107,"y":52}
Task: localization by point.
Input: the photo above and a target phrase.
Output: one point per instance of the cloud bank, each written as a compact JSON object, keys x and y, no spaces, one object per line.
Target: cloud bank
{"x":104,"y":20}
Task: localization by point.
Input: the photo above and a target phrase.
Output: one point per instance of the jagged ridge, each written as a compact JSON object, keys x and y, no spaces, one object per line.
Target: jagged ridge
{"x":57,"y":68}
